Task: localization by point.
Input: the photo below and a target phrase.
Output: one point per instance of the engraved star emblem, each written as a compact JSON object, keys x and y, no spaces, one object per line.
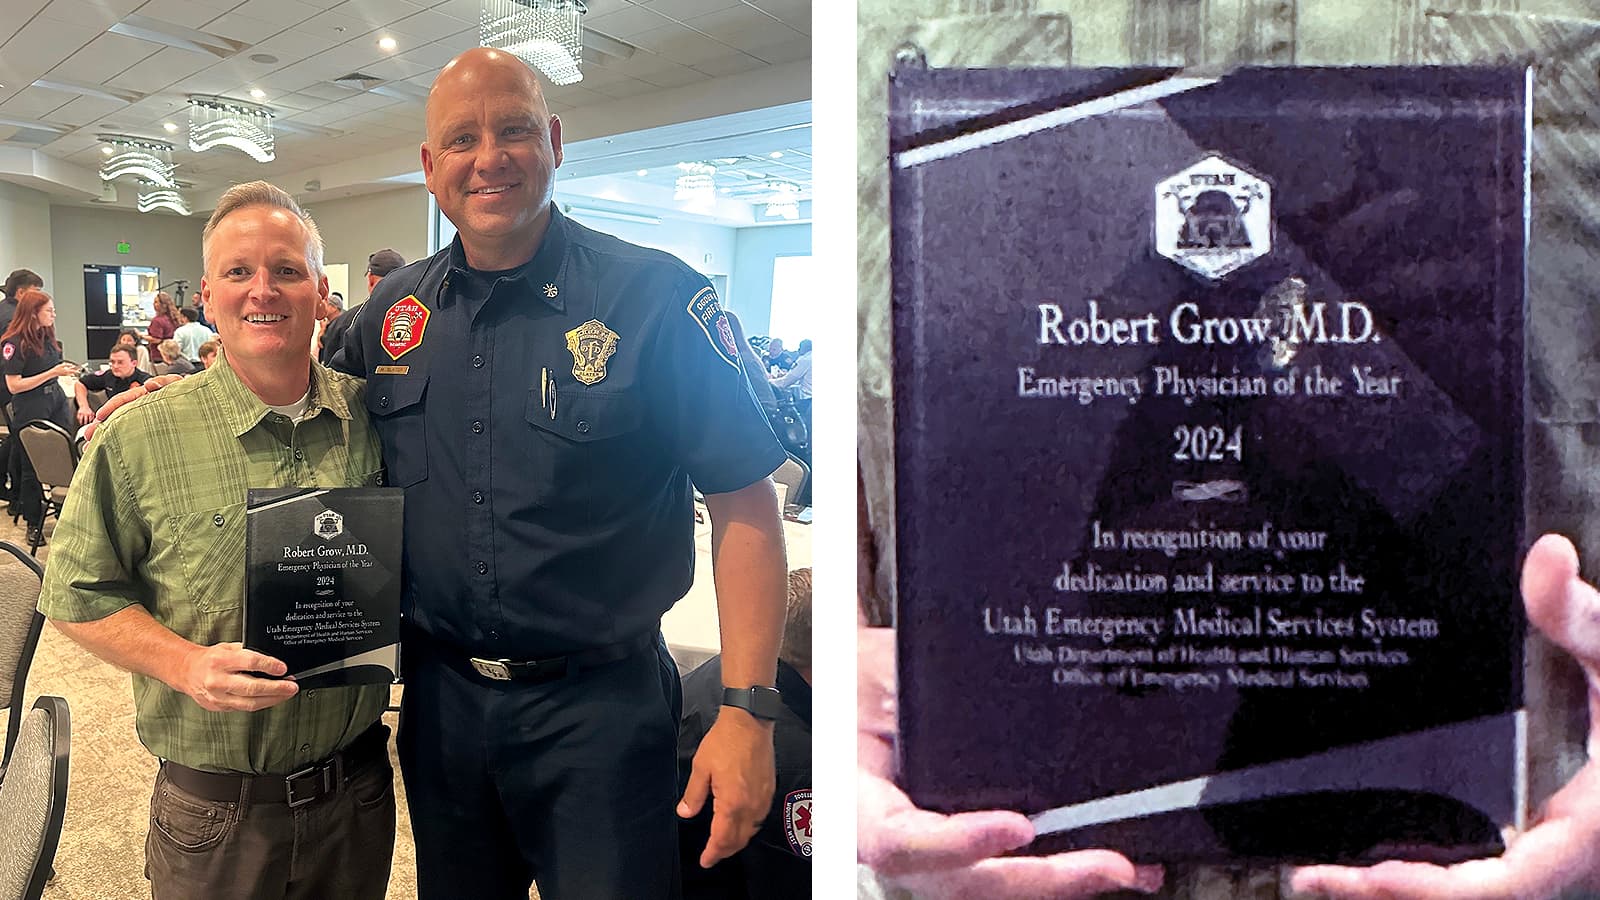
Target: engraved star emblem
{"x":550,"y":290}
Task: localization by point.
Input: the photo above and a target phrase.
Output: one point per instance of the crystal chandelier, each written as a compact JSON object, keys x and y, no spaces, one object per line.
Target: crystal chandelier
{"x":545,"y":34}
{"x":696,"y":185}
{"x":154,"y":196}
{"x":221,"y":122}
{"x":143,"y":158}
{"x":784,"y":201}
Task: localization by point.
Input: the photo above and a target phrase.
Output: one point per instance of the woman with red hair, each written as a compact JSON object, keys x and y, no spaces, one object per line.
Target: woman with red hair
{"x":31,"y":358}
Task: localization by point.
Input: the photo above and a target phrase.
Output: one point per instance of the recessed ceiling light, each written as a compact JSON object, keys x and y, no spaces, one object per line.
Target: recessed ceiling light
{"x":776,"y":154}
{"x":169,"y":126}
{"x":257,"y":93}
{"x":106,"y":150}
{"x":386,"y":43}
{"x":267,"y":58}
{"x":642,"y":173}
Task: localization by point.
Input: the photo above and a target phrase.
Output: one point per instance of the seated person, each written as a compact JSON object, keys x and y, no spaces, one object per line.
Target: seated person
{"x":777,"y":861}
{"x":208,"y":353}
{"x":119,"y":377}
{"x":135,"y":340}
{"x":177,"y":363}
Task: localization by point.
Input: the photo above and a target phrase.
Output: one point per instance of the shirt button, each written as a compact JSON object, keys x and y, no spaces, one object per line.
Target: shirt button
{"x":299,"y":455}
{"x":477,"y":428}
{"x":477,"y":496}
{"x":483,"y":568}
{"x":583,"y":427}
{"x":477,"y":362}
{"x":383,"y":402}
{"x":217,"y":521}
{"x":305,"y":748}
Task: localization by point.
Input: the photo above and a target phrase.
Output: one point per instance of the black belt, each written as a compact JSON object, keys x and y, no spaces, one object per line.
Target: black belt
{"x":540,"y":671}
{"x":318,"y":780}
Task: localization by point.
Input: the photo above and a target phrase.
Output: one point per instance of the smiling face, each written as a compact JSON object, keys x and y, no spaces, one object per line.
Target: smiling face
{"x":121,"y":362}
{"x":491,"y":156}
{"x":261,"y":290}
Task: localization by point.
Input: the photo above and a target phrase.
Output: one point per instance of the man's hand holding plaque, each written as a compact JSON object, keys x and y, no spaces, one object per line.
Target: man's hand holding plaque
{"x":227,"y":678}
{"x":1559,"y":852}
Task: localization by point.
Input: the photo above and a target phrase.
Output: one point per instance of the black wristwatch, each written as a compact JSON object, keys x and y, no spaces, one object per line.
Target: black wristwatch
{"x":759,"y":701}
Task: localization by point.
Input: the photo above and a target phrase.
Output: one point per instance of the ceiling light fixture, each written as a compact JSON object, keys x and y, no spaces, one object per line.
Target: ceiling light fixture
{"x":258,"y":93}
{"x":697,"y":185}
{"x":143,"y":158}
{"x":153,"y":197}
{"x":784,"y":201}
{"x":107,"y":150}
{"x":221,"y":122}
{"x":171,"y":127}
{"x":545,"y":34}
{"x":386,"y":43}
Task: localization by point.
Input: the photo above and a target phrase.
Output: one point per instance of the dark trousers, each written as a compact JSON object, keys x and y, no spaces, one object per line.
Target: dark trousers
{"x":571,"y":784}
{"x":338,"y":846}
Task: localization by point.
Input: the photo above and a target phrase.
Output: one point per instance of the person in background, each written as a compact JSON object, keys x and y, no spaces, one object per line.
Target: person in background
{"x":776,"y":864}
{"x":191,"y":334}
{"x":208,"y":353}
{"x":379,"y":264}
{"x":133,"y":340}
{"x":162,"y":325}
{"x":31,"y":357}
{"x":15,"y":282}
{"x":798,"y":380}
{"x":11,"y":451}
{"x":122,"y":375}
{"x":777,"y":357}
{"x":199,"y":304}
{"x":177,"y":363}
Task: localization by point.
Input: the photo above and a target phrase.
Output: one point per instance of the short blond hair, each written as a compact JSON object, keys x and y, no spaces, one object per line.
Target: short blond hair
{"x":262,"y":193}
{"x":796,"y":647}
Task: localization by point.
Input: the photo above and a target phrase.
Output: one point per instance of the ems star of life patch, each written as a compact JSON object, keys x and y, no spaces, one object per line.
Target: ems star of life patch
{"x":713,"y":321}
{"x":797,"y":821}
{"x":403,"y":326}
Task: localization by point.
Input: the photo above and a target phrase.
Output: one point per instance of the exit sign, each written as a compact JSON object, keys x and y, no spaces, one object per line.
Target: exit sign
{"x":124,"y":247}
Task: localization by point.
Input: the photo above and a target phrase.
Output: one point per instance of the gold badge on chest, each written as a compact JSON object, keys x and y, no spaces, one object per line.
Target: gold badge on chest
{"x":591,"y":343}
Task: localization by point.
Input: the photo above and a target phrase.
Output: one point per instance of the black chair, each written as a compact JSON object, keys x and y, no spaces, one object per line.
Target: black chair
{"x":33,"y":800}
{"x":20,"y":626}
{"x":54,"y":455}
{"x":796,"y":476}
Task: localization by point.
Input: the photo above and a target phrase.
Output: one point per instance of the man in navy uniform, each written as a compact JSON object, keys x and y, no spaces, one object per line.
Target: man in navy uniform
{"x":545,"y":395}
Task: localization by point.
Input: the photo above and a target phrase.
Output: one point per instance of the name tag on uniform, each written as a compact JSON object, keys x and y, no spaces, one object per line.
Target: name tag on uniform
{"x":391,"y":370}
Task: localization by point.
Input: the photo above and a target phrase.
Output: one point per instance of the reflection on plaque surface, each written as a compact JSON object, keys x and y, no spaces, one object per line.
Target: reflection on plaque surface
{"x":1208,"y":417}
{"x":322,"y":591}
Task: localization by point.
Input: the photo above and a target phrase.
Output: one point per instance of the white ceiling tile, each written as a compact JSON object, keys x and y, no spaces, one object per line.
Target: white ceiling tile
{"x":466,"y":11}
{"x":672,"y":76}
{"x":162,"y":69}
{"x":18,"y":13}
{"x":424,"y":25}
{"x":286,"y":13}
{"x":294,"y":45}
{"x":320,"y":117}
{"x":744,"y":26}
{"x":684,"y":10}
{"x":622,"y":88}
{"x":246,"y":29}
{"x":34,"y":103}
{"x":433,"y":56}
{"x":573,"y":94}
{"x":105,"y":57}
{"x":732,"y":64}
{"x":185,"y":13}
{"x":626,"y":22}
{"x":83,"y":111}
{"x":794,"y":13}
{"x":396,"y":69}
{"x":377,"y":13}
{"x":42,"y":43}
{"x":783,"y":52}
{"x":326,"y":91}
{"x":99,"y":13}
{"x":681,"y":45}
{"x":330,"y":23}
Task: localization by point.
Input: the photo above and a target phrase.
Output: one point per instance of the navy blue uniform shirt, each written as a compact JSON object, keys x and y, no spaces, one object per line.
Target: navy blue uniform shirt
{"x":546,"y":423}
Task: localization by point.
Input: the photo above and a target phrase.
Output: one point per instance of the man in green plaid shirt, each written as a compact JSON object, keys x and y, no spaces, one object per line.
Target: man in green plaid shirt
{"x":264,"y":791}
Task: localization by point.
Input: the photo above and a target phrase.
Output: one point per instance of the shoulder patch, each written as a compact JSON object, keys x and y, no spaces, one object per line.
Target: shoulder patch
{"x":403,"y":326}
{"x":708,"y":314}
{"x":8,"y":351}
{"x":797,"y":822}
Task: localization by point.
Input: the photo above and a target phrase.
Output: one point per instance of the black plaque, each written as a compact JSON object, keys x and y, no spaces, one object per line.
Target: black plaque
{"x":323,"y":586}
{"x":1208,"y":418}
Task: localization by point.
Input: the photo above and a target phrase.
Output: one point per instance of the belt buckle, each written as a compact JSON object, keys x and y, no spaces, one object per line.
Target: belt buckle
{"x":320,"y":786}
{"x":493,"y":669}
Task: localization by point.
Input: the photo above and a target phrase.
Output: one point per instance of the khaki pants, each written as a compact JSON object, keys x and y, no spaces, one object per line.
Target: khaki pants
{"x":338,"y":846}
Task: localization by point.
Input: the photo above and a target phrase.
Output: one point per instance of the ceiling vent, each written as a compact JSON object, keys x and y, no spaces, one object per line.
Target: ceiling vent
{"x":358,"y":81}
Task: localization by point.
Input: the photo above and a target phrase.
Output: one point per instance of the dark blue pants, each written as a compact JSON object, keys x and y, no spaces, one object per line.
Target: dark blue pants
{"x":571,"y":783}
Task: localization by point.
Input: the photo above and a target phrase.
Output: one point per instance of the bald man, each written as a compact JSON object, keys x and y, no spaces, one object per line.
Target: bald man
{"x":545,"y":395}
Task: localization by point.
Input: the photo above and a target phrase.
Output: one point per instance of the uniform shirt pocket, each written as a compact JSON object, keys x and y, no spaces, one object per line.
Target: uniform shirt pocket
{"x":395,"y":404}
{"x":591,"y":435}
{"x":211,"y":550}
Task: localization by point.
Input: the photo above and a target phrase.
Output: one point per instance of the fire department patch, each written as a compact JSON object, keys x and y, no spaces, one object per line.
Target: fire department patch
{"x":591,"y":343}
{"x":403,"y":326}
{"x":797,"y":822}
{"x":9,"y":350}
{"x":708,"y":314}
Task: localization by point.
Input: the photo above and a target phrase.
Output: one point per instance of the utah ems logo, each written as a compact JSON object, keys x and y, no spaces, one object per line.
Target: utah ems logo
{"x":327,"y":525}
{"x":591,"y":344}
{"x":1213,"y":217}
{"x":403,"y":326}
{"x":797,"y":822}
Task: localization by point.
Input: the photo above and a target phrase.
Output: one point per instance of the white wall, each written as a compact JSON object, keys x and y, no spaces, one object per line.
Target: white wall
{"x":708,"y":249}
{"x":750,"y":291}
{"x":80,"y":235}
{"x":353,"y":228}
{"x":25,"y":233}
